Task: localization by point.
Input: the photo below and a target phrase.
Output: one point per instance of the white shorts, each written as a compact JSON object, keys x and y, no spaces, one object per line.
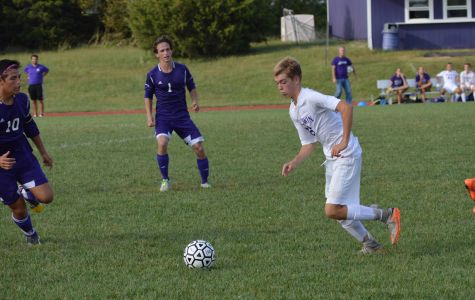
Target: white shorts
{"x":342,"y":184}
{"x":450,"y":88}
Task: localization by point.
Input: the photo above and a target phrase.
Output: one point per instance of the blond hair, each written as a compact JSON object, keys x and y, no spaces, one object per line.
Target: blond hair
{"x":288,"y":66}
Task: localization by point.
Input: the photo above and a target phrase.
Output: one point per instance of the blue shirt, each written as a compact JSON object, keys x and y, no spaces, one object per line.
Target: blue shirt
{"x":12,"y":126}
{"x":169,"y":90}
{"x":35,"y":73}
{"x":425,"y":78}
{"x":341,"y":67}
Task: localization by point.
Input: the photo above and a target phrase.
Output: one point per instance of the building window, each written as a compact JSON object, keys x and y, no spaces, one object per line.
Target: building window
{"x":457,"y":9}
{"x":419,"y":10}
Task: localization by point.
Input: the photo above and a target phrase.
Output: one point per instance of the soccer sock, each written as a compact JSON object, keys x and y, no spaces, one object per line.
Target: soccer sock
{"x":25,"y":225}
{"x":203,"y":167}
{"x":355,"y":228}
{"x":162,"y":161}
{"x":360,"y":212}
{"x":464,"y":99}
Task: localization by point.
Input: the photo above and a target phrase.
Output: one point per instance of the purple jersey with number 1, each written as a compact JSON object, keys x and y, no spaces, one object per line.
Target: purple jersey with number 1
{"x":169,"y":90}
{"x":26,"y":170}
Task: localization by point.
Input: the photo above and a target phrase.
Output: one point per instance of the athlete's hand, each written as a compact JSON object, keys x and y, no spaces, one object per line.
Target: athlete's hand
{"x":195,"y":107}
{"x":338,"y":148}
{"x":150,"y":122}
{"x":287,"y":168}
{"x":47,"y":160}
{"x":6,"y":162}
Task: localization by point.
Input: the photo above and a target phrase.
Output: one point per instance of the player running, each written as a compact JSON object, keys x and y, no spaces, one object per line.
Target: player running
{"x":326,"y":119}
{"x":167,"y":81}
{"x":17,"y":162}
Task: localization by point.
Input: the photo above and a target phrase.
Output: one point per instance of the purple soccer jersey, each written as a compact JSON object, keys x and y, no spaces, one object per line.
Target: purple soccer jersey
{"x":397,"y":81}
{"x":425,"y":78}
{"x":26,"y":170}
{"x":35,"y":73}
{"x":341,"y":67}
{"x":169,"y":90}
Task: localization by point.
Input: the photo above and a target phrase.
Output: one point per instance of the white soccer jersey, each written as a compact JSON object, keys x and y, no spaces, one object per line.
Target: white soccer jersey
{"x":450,"y":77}
{"x":316,"y":120}
{"x":467,"y":78}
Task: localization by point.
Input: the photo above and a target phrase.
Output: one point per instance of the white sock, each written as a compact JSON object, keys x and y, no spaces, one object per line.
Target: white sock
{"x":463,"y":97}
{"x":360,"y":212}
{"x":355,"y":228}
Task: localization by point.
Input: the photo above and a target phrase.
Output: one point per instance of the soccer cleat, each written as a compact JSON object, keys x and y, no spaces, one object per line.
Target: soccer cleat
{"x":165,"y":185}
{"x":205,"y":185}
{"x":371,"y":246}
{"x":394,"y":224}
{"x":33,"y":239}
{"x":470,"y":185}
{"x":34,"y":204}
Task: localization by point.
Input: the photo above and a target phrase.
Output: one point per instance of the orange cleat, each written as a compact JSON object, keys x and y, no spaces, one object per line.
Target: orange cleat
{"x":470,"y":185}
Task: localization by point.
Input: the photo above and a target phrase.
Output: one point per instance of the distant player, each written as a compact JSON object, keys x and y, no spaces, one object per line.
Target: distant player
{"x":168,"y":81}
{"x":341,"y":65}
{"x":17,"y":162}
{"x":450,"y":78}
{"x":326,"y":119}
{"x":467,"y":81}
{"x":36,"y":72}
{"x":398,"y":85}
{"x":423,"y":82}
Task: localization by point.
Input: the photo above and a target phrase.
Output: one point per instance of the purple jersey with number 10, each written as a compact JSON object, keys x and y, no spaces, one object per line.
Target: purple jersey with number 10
{"x":169,"y":90}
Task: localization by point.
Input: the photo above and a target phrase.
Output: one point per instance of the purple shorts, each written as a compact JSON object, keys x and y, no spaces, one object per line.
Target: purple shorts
{"x":28,"y":174}
{"x":185,"y":129}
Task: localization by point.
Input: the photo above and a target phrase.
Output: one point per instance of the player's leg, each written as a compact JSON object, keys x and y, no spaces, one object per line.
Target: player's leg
{"x":9,"y":196}
{"x":163,"y":134}
{"x":191,"y":135}
{"x":40,"y":99}
{"x":338,"y":88}
{"x":42,"y":108}
{"x":348,"y":93}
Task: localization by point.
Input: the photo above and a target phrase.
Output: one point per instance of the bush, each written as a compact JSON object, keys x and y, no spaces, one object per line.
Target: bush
{"x":200,"y":27}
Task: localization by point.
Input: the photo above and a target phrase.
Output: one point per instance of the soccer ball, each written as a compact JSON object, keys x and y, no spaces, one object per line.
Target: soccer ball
{"x":349,"y":69}
{"x":199,"y":254}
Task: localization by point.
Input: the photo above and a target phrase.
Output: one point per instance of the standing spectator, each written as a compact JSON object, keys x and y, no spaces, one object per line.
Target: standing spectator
{"x":398,"y":85}
{"x":449,"y":85}
{"x":326,"y":119}
{"x":168,"y":81}
{"x":423,"y":82}
{"x":36,"y":72}
{"x":341,"y":66}
{"x":467,"y":81}
{"x":17,"y":162}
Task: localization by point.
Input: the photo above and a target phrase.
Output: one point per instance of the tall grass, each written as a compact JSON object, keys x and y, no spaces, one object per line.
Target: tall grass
{"x":111,"y":78}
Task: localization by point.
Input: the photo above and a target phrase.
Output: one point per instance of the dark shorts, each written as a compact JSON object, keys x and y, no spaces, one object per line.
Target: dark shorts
{"x":27,"y":174}
{"x":35,"y":91}
{"x":185,"y":129}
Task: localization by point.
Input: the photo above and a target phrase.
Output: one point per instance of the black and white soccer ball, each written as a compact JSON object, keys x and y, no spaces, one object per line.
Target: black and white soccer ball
{"x":199,"y":254}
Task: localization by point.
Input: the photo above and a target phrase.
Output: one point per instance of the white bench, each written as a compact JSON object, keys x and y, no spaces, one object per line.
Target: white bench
{"x":383,"y":84}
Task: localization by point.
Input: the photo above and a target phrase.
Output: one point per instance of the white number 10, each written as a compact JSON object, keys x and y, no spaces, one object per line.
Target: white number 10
{"x":13,"y":125}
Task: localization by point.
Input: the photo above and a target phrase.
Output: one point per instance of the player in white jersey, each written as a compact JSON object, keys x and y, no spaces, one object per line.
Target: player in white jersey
{"x":467,"y":81}
{"x":450,"y":78}
{"x":326,"y":119}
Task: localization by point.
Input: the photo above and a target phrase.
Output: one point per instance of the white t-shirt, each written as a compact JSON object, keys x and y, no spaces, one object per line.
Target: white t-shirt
{"x":450,"y":77}
{"x":467,"y":78}
{"x":316,"y":120}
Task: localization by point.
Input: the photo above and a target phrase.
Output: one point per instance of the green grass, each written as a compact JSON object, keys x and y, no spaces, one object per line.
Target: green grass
{"x":111,"y":234}
{"x":112,"y":78}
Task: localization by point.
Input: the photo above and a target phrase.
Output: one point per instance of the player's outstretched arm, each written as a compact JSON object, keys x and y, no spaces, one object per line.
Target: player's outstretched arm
{"x":47,"y":160}
{"x":304,"y":152}
{"x":194,"y":100}
{"x":148,"y":112}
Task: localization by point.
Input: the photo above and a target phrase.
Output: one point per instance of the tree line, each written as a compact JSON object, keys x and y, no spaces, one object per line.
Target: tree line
{"x":204,"y":28}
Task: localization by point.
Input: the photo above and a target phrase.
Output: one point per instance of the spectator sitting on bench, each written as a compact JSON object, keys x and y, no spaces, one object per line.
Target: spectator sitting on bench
{"x":398,"y":85}
{"x":450,"y":78}
{"x":423,"y":82}
{"x":467,"y":81}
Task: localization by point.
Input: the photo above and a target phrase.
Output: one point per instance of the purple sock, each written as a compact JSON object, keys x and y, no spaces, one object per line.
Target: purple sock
{"x":162,"y":161}
{"x":203,"y":167}
{"x":25,"y":225}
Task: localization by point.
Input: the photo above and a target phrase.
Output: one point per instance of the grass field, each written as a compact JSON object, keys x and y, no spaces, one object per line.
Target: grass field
{"x":112,"y":78}
{"x":111,"y":234}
